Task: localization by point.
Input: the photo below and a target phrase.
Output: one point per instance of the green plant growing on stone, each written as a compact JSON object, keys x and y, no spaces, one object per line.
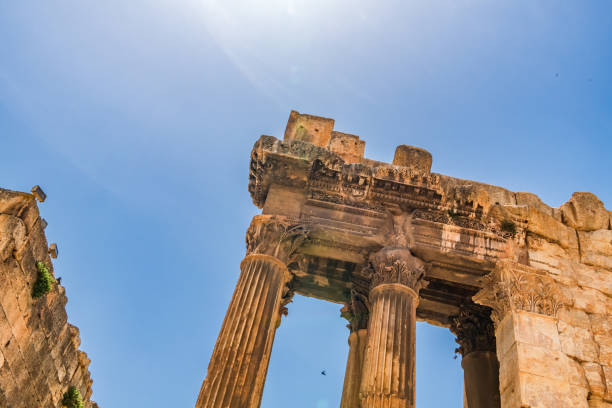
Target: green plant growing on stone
{"x":508,"y":227}
{"x":44,"y":283}
{"x":72,"y":398}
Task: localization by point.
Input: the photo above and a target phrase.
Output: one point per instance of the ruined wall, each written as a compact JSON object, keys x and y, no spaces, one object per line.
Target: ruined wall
{"x":39,"y":356}
{"x":554,"y":325}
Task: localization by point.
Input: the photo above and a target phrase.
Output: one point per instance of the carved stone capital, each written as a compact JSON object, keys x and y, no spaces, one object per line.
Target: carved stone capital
{"x":275,"y":236}
{"x":357,"y":310}
{"x":474,"y":329}
{"x":286,"y":297}
{"x":397,"y":265}
{"x":512,"y":286}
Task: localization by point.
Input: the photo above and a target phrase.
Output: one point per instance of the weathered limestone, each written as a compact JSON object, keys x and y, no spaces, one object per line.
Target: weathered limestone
{"x":39,"y":350}
{"x":544,"y":274}
{"x":357,"y":312}
{"x":475,"y":335}
{"x":238,"y":366}
{"x":585,"y":212}
{"x":388,"y":378}
{"x":536,"y":370}
{"x":419,"y":160}
{"x":354,"y":368}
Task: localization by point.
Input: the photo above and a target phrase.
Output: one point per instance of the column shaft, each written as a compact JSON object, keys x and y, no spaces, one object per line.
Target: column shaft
{"x":481,"y":379}
{"x":354,"y":367}
{"x":388,"y":378}
{"x":238,"y":366}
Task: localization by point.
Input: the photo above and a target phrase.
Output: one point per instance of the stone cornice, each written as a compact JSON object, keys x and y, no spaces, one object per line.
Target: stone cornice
{"x":512,"y":286}
{"x":367,"y":186}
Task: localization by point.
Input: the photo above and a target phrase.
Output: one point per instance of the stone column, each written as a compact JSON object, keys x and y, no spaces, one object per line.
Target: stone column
{"x":354,"y":365}
{"x":534,"y":370}
{"x":388,"y":378}
{"x":238,"y":366}
{"x":356,"y":312}
{"x":476,"y":338}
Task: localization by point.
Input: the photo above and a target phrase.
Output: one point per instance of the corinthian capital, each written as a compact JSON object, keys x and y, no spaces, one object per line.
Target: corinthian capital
{"x":474,"y":329}
{"x":276,"y":236}
{"x":397,"y":265}
{"x":512,"y":286}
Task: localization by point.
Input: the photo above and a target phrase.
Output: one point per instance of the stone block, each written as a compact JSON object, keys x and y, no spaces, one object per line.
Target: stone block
{"x":509,"y":368}
{"x":541,"y":392}
{"x":511,"y":395}
{"x":601,"y":324}
{"x":53,"y":250}
{"x":543,"y":362}
{"x":549,"y":228}
{"x":596,"y":402}
{"x":605,"y":349}
{"x":596,"y":248}
{"x":284,"y":200}
{"x":607,"y":371}
{"x":347,"y":146}
{"x":39,"y":193}
{"x":594,"y":278}
{"x":308,"y":128}
{"x":417,"y":159}
{"x":576,"y":373}
{"x":575,"y":317}
{"x":585,"y":212}
{"x":595,"y":378}
{"x":533,"y":201}
{"x":589,"y":300}
{"x":537,"y":330}
{"x":578,"y":342}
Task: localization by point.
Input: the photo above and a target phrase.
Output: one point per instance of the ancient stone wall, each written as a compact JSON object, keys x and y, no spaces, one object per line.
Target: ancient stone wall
{"x":554,"y":321}
{"x":39,"y":355}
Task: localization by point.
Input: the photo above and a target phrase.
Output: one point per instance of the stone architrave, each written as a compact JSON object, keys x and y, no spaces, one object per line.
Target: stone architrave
{"x":388,"y":378}
{"x":238,"y":366}
{"x":476,"y":338}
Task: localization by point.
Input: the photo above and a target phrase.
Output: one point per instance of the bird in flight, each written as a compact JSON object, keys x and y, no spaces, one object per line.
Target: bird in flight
{"x":323,"y":372}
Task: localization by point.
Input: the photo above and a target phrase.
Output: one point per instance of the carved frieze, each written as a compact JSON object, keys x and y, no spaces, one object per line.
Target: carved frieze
{"x":397,"y":265}
{"x":474,"y":329}
{"x":370,"y":184}
{"x":276,"y":236}
{"x":512,"y":286}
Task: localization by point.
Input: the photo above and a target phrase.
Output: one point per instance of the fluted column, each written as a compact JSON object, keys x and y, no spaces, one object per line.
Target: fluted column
{"x":388,"y":378}
{"x":354,"y":365}
{"x":357,"y":313}
{"x":476,"y":338}
{"x":239,"y":363}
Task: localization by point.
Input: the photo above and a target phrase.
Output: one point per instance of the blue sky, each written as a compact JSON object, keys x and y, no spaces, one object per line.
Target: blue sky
{"x":138,"y":118}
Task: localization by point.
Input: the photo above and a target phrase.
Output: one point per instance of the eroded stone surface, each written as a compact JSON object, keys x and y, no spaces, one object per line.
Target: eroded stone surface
{"x":585,"y":212}
{"x":544,"y":274}
{"x":39,"y":355}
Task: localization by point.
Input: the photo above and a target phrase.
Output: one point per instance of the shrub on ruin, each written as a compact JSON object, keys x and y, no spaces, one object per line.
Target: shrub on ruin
{"x":44,"y":282}
{"x":72,"y":398}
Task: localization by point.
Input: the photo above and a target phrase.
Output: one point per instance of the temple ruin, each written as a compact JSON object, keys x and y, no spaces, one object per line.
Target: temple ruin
{"x":526,"y":288}
{"x":40,"y":360}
